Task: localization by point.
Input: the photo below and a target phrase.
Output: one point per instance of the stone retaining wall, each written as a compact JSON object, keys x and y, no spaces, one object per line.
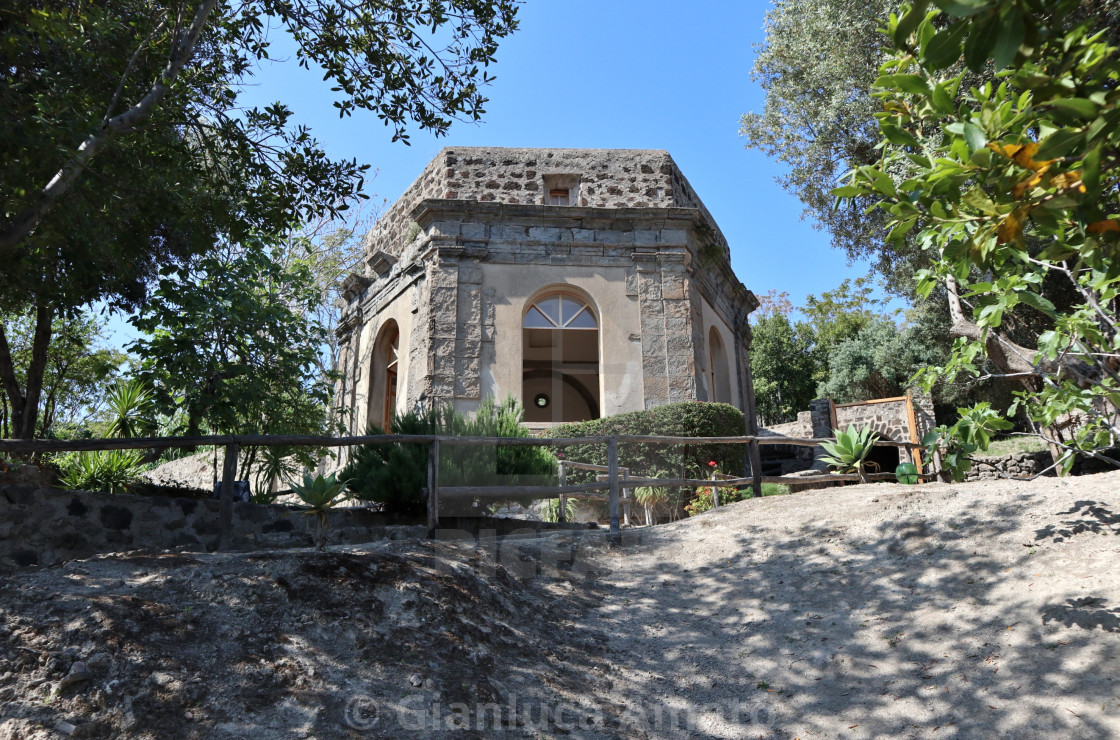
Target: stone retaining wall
{"x":1017,"y":465}
{"x":46,"y":526}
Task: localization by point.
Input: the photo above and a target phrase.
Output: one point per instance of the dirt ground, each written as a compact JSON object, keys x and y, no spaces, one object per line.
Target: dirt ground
{"x":983,"y":610}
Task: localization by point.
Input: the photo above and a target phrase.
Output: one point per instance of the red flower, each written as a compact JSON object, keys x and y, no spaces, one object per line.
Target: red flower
{"x":711,"y":463}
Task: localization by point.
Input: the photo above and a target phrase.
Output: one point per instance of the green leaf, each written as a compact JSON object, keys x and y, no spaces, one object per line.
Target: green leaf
{"x":909,"y":83}
{"x":981,"y":40}
{"x":942,"y":101}
{"x":898,"y":135}
{"x":848,"y":191}
{"x":910,"y":21}
{"x":1080,"y":107}
{"x":1060,"y":143}
{"x":1012,"y":31}
{"x":1091,"y":172}
{"x":1036,"y":301}
{"x":963,"y":8}
{"x":975,"y":137}
{"x":945,"y":47}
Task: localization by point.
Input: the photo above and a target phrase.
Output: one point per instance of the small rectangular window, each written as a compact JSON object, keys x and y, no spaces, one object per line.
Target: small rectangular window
{"x":558,"y":197}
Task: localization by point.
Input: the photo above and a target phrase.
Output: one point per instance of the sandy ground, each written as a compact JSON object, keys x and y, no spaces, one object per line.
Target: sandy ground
{"x":984,"y":610}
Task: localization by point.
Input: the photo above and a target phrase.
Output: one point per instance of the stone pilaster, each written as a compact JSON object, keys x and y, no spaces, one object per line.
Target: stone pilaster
{"x":680,"y":342}
{"x":442,"y":278}
{"x":468,"y":331}
{"x":651,"y":312}
{"x":665,"y":313}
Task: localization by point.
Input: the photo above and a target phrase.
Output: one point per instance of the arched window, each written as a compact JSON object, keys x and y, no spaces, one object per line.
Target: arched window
{"x":560,"y":374}
{"x":719,"y":377}
{"x":383,"y":376}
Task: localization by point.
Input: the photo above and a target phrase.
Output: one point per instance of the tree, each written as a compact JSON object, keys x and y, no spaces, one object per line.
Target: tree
{"x":837,"y":316}
{"x":878,"y":362}
{"x":783,"y":366}
{"x":229,"y":345}
{"x":76,"y":371}
{"x":125,"y":149}
{"x":1008,"y":184}
{"x":816,"y":67}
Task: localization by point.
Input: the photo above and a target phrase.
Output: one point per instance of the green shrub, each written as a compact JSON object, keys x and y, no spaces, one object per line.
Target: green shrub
{"x":686,"y":419}
{"x":111,"y":471}
{"x":396,"y":474}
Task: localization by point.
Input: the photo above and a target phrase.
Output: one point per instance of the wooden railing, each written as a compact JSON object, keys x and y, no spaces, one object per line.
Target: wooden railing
{"x":617,"y":477}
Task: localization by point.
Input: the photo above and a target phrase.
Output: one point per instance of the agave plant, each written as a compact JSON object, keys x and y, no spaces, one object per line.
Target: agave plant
{"x":551,"y":510}
{"x":320,"y":495}
{"x":850,"y":449}
{"x":110,"y":471}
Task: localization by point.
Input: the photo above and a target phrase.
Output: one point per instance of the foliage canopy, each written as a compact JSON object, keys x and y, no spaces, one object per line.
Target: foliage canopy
{"x":1007,"y":184}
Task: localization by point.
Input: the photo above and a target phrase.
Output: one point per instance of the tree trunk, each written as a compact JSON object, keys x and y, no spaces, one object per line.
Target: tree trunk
{"x":11,"y":385}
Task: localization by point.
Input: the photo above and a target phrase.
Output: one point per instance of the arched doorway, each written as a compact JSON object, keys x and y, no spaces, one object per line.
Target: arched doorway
{"x":719,"y":377}
{"x":560,"y":350}
{"x":383,"y":376}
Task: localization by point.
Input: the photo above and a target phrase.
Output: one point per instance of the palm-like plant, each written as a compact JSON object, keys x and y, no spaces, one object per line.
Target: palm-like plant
{"x":130,"y":410}
{"x":850,"y":449}
{"x":320,"y":495}
{"x":651,"y":496}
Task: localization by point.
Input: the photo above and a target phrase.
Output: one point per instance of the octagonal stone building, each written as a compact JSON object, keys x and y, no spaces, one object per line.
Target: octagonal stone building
{"x":584,"y":282}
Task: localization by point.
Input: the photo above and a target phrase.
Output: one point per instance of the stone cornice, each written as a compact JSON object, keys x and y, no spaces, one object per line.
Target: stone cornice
{"x":432,"y":209}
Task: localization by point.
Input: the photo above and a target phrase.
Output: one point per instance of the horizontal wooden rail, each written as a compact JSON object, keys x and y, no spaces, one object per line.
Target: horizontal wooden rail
{"x":688,"y":482}
{"x":271,"y":440}
{"x":518,"y":491}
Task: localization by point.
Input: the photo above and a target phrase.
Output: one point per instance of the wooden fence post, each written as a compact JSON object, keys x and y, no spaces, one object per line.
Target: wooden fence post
{"x":612,"y":473}
{"x":433,"y":488}
{"x":715,"y":492}
{"x":756,"y":468}
{"x":562,"y":512}
{"x":628,"y":493}
{"x":225,"y":506}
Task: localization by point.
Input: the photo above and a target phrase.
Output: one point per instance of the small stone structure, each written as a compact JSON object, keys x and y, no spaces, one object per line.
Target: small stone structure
{"x":1015,"y":465}
{"x":584,"y":283}
{"x":902,"y":419}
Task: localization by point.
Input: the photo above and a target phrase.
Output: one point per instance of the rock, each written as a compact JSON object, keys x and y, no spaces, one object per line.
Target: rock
{"x":100,"y":662}
{"x":65,"y":728}
{"x":416,"y":680}
{"x":79,"y":672}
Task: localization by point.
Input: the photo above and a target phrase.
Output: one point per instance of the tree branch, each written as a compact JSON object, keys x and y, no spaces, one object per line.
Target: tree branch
{"x":26,"y":222}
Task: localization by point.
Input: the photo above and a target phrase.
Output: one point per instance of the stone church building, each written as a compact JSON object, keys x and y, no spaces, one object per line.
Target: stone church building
{"x":583,"y":282}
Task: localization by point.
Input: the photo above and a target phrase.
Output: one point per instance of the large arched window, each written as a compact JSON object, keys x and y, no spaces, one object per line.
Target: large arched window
{"x":719,"y":377}
{"x":383,"y":376}
{"x":560,"y":374}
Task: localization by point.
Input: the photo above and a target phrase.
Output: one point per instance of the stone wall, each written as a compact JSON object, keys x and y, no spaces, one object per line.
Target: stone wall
{"x":888,"y":419}
{"x":802,"y":428}
{"x":1015,"y":465}
{"x":45,"y":526}
{"x":597,"y":178}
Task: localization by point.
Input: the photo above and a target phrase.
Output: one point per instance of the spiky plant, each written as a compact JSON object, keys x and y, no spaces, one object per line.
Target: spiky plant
{"x":320,"y":495}
{"x":850,"y":449}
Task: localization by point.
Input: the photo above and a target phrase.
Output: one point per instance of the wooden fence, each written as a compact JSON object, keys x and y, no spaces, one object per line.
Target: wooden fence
{"x":614,"y":484}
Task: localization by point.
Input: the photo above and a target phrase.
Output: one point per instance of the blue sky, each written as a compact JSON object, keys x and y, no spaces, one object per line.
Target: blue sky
{"x":606,"y":74}
{"x":614,"y":74}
